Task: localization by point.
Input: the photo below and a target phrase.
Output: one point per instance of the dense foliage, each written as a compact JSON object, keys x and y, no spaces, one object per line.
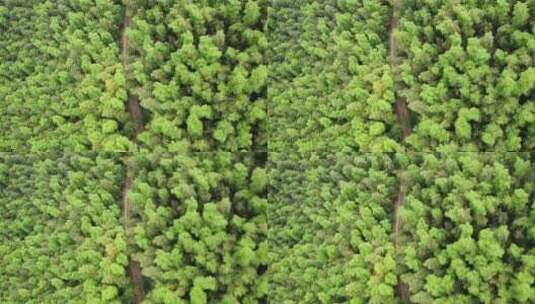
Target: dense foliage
{"x":60,"y":237}
{"x":330,"y":83}
{"x":469,"y":228}
{"x":201,"y":227}
{"x":466,"y":69}
{"x":61,"y":80}
{"x":330,"y":221}
{"x":469,"y":74}
{"x":197,"y":67}
{"x":200,"y":72}
{"x":134,"y":164}
{"x":198,"y":227}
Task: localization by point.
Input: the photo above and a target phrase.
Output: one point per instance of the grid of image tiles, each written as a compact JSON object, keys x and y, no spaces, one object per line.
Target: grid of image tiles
{"x":267,"y":151}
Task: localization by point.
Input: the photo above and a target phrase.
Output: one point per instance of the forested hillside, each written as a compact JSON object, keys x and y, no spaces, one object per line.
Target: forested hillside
{"x":468,"y":74}
{"x":198,"y":227}
{"x":402,"y":228}
{"x":69,"y":68}
{"x":267,"y":151}
{"x":61,"y":80}
{"x":469,"y":228}
{"x":330,"y":84}
{"x":361,"y":75}
{"x":348,"y":75}
{"x":61,"y":239}
{"x":199,"y":69}
{"x":330,"y":227}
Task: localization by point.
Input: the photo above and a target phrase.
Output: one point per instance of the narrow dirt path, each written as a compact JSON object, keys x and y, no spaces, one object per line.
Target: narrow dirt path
{"x":136,"y":115}
{"x":401,"y":107}
{"x":134,"y":268}
{"x":404,"y":119}
{"x":133,"y":107}
{"x":403,"y":289}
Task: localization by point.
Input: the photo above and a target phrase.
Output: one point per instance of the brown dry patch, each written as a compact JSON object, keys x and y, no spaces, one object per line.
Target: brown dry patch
{"x":136,"y":115}
{"x":404,"y":119}
{"x":403,"y":289}
{"x":401,"y":107}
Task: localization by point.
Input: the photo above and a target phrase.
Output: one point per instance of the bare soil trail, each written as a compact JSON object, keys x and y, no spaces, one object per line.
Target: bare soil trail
{"x":404,"y":119}
{"x":401,"y":107}
{"x":136,"y":115}
{"x":133,"y":107}
{"x":134,"y":268}
{"x":403,"y":289}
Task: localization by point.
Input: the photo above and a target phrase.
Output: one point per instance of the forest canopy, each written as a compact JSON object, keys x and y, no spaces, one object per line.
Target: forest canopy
{"x":267,"y":151}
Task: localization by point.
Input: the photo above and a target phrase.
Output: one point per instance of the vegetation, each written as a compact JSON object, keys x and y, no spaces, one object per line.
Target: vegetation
{"x":469,"y":76}
{"x":466,"y":226}
{"x":198,"y":68}
{"x":330,"y":226}
{"x":335,"y":228}
{"x":200,"y":71}
{"x":331,"y":87}
{"x":198,"y":228}
{"x":257,"y":151}
{"x":61,"y":80}
{"x":60,"y":235}
{"x":465,"y":69}
{"x":469,"y":223}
